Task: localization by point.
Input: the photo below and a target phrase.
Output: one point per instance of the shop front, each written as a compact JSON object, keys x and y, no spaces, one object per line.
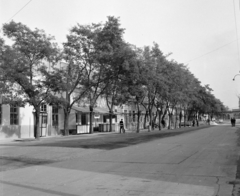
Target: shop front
{"x":100,"y":120}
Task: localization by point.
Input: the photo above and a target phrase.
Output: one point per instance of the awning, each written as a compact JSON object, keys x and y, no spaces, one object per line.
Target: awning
{"x":100,"y":110}
{"x":81,"y":109}
{"x":97,"y":110}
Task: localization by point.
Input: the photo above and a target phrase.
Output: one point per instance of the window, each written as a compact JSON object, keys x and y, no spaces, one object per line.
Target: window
{"x":84,"y":119}
{"x":130,"y":116}
{"x":78,"y":117}
{"x":0,"y":114}
{"x":44,"y":121}
{"x":115,"y":117}
{"x":13,"y":115}
{"x":104,"y":118}
{"x":54,"y":115}
{"x":43,"y":107}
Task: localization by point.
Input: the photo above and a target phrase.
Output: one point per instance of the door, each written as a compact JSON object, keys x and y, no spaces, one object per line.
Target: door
{"x":43,"y":125}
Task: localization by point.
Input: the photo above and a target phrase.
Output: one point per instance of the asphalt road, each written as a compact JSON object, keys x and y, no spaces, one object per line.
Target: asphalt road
{"x":195,"y":163}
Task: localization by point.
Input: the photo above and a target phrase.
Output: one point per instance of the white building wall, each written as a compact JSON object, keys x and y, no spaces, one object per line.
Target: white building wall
{"x":24,"y":129}
{"x":8,"y":131}
{"x":72,"y":120}
{"x":5,"y":115}
{"x":26,"y":122}
{"x":61,"y":119}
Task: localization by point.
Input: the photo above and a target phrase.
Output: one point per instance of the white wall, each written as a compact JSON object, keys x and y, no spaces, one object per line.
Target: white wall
{"x":26,"y":121}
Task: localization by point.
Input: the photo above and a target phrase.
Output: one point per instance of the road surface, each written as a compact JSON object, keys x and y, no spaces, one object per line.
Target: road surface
{"x":197,"y":163}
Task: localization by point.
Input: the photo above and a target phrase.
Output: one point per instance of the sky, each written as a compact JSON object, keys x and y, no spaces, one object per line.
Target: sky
{"x":202,"y":34}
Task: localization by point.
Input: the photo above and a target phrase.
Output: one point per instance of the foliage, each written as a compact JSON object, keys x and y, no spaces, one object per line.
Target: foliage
{"x":23,"y":63}
{"x":96,"y":61}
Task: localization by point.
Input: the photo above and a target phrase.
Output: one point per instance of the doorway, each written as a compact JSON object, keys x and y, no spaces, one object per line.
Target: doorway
{"x":43,"y":125}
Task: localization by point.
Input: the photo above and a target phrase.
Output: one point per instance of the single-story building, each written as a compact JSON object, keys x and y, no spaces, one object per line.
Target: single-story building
{"x":18,"y":122}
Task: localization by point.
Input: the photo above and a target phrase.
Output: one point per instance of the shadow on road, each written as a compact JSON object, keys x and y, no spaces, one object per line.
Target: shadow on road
{"x":107,"y":141}
{"x":9,"y":163}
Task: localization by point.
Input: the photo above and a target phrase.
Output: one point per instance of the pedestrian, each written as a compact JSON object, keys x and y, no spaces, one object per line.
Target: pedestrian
{"x":234,"y":122}
{"x":121,"y":126}
{"x":193,"y":123}
{"x":163,"y":123}
{"x":197,"y":122}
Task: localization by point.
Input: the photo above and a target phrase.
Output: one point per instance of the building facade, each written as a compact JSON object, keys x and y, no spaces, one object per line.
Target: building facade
{"x":18,"y":122}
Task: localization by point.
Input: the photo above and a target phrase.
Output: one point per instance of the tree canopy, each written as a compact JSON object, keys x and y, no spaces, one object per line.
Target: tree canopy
{"x":96,"y":61}
{"x":22,"y":64}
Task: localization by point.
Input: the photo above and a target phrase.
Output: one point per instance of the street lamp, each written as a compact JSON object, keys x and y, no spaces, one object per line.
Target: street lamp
{"x":235,"y":76}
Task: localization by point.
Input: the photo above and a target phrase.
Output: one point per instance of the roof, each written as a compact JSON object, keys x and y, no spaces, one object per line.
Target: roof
{"x":236,"y":110}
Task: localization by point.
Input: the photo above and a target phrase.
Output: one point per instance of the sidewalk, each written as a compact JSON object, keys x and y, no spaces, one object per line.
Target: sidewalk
{"x":164,"y":132}
{"x":117,"y":136}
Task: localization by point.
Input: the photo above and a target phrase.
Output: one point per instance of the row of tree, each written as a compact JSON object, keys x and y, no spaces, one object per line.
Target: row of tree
{"x":97,"y":61}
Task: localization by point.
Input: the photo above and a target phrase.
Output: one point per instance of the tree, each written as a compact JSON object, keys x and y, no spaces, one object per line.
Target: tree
{"x":187,"y":90}
{"x":135,"y":84}
{"x":117,"y":57}
{"x":23,"y":63}
{"x":72,"y":80}
{"x":95,"y":45}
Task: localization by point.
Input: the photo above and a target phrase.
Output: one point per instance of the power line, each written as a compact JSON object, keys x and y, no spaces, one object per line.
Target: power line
{"x":19,"y":10}
{"x":236,"y":33}
{"x":211,"y":51}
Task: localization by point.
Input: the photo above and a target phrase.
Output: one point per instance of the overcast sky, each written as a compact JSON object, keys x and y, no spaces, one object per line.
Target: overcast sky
{"x":205,"y":34}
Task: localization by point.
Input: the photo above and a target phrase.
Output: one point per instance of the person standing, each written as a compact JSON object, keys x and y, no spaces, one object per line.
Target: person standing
{"x":234,"y":122}
{"x":121,"y":126}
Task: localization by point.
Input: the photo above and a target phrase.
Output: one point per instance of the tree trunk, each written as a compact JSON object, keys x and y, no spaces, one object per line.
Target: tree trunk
{"x":145,"y":120}
{"x":150,"y":121}
{"x":66,"y":118}
{"x":176,"y":119}
{"x":169,"y":120}
{"x":185,"y":117}
{"x":159,"y":120}
{"x":91,"y":119}
{"x":180,"y":118}
{"x":185,"y":120}
{"x":163,"y":116}
{"x":110,"y":120}
{"x":197,"y":119}
{"x":154,"y":120}
{"x":36,"y":123}
{"x":138,"y":121}
{"x":138,"y":118}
